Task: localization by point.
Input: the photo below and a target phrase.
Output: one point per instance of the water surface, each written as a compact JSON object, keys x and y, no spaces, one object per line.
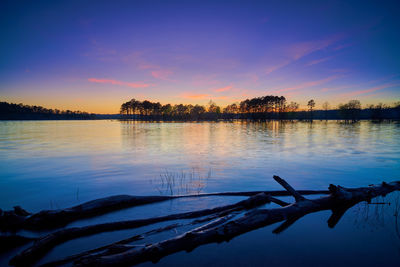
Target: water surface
{"x":56,"y":164}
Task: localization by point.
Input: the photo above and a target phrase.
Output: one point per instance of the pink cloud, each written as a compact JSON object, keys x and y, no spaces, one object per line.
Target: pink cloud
{"x":145,"y":66}
{"x":115,"y":82}
{"x":307,"y":84}
{"x":373,"y":89}
{"x":161,"y":74}
{"x":317,"y":61}
{"x":223,"y":89}
{"x":253,"y":77}
{"x":326,"y":89}
{"x":299,"y":50}
{"x":302,"y":49}
{"x":340,"y":47}
{"x":278,"y":66}
{"x":195,"y":96}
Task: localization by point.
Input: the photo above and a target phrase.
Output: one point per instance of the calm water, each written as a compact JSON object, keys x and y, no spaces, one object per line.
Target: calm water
{"x":56,"y":164}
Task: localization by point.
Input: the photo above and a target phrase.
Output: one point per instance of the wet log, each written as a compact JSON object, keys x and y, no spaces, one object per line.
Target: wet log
{"x":9,"y":242}
{"x":339,"y":197}
{"x":47,"y":242}
{"x":289,"y":188}
{"x":123,"y":245}
{"x":50,"y":219}
{"x":112,"y":247}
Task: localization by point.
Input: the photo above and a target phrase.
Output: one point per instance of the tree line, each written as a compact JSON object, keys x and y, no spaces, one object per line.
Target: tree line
{"x":259,"y":105}
{"x":11,"y":111}
{"x":258,"y":108}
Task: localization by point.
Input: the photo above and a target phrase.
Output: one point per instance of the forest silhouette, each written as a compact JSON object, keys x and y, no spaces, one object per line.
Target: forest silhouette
{"x":258,"y":108}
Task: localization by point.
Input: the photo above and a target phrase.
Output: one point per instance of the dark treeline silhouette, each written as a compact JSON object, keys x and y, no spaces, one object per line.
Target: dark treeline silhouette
{"x":147,"y":110}
{"x":10,"y":111}
{"x":258,"y":108}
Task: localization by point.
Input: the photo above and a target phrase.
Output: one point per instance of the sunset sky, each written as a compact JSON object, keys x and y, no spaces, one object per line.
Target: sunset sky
{"x":94,"y":55}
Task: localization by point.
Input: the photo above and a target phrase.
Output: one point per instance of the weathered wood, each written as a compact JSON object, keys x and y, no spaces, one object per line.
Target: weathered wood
{"x":289,"y":188}
{"x":340,"y":197}
{"x":122,"y":245}
{"x":112,"y":246}
{"x":45,"y":243}
{"x":49,"y":219}
{"x":279,"y":202}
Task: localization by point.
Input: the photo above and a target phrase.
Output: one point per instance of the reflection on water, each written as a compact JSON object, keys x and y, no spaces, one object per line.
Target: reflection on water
{"x":55,"y":164}
{"x":45,"y":163}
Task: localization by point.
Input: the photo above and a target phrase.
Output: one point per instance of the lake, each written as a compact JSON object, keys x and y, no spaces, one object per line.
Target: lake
{"x":56,"y":164}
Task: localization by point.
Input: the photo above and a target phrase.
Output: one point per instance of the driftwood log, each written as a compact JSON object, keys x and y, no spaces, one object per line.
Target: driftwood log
{"x":338,"y":201}
{"x":47,"y":242}
{"x":218,"y":224}
{"x":50,"y":219}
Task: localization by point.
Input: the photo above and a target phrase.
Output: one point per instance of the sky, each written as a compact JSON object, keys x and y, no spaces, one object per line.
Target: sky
{"x":95,"y":55}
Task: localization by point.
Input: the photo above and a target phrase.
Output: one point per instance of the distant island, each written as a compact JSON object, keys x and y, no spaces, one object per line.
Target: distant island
{"x":11,"y":111}
{"x":259,"y":108}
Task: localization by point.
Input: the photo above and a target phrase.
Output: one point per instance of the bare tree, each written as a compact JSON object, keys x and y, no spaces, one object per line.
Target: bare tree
{"x":326,"y":107}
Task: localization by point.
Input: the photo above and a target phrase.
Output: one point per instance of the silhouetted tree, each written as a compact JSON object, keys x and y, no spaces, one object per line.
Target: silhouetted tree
{"x":311,"y":105}
{"x":351,"y":110}
{"x":197,"y":111}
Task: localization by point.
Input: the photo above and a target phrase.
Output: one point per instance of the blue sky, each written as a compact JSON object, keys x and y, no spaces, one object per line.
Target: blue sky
{"x":94,"y":55}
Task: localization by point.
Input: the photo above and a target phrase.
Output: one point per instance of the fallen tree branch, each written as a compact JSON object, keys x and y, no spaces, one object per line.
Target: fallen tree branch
{"x":49,"y":219}
{"x":122,"y":245}
{"x":45,"y":243}
{"x":289,"y":188}
{"x":339,"y":197}
{"x":112,"y":246}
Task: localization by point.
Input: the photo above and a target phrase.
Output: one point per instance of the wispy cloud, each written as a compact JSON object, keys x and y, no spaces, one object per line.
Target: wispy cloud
{"x":146,"y":66}
{"x":253,"y":77}
{"x":317,"y":61}
{"x":341,"y":46}
{"x":189,"y":95}
{"x":307,"y":84}
{"x":223,"y":89}
{"x":299,"y":50}
{"x":370,"y":90}
{"x":195,"y":96}
{"x":302,"y":49}
{"x":161,"y":74}
{"x":277,"y":66}
{"x":116,"y":82}
{"x":328,"y":89}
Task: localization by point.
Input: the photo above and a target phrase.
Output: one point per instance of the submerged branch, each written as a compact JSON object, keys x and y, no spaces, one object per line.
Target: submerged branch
{"x":340,"y":197}
{"x":47,"y":242}
{"x":48,"y":219}
{"x":220,"y":225}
